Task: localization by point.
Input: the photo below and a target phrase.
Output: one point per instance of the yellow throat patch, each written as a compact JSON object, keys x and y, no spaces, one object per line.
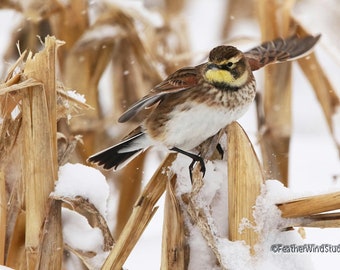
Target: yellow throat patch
{"x":225,"y":77}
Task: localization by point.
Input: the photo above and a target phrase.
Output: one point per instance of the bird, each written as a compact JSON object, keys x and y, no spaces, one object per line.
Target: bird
{"x":194,"y":103}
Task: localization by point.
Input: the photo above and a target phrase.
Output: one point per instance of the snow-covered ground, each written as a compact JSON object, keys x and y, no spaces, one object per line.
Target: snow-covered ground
{"x":314,"y":160}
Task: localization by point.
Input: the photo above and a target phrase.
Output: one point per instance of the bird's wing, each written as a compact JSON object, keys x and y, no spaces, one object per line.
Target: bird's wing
{"x":181,"y":80}
{"x":280,"y":50}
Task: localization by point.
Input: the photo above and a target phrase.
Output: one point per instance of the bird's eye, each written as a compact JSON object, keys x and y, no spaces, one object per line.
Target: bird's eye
{"x":228,"y":65}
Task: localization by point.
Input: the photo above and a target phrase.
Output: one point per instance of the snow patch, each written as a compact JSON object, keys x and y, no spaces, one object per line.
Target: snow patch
{"x":212,"y":199}
{"x":2,"y":267}
{"x":80,"y":180}
{"x":75,"y":95}
{"x":78,"y":234}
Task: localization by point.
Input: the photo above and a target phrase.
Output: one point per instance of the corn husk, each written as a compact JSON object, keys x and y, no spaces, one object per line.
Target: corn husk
{"x":174,"y":247}
{"x":244,"y":183}
{"x":313,"y":211}
{"x":310,"y":205}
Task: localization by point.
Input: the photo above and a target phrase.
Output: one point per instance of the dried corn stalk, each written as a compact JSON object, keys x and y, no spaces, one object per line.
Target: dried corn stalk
{"x":129,"y":184}
{"x":33,"y":91}
{"x":39,"y":128}
{"x":200,"y":218}
{"x":142,"y":213}
{"x":313,"y":211}
{"x":324,"y":90}
{"x":174,"y":247}
{"x":79,"y":69}
{"x":274,"y":18}
{"x":244,"y":183}
{"x":310,"y":205}
{"x":16,"y":257}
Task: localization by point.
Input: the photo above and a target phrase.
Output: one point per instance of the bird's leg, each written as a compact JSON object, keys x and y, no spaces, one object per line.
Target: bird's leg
{"x":195,"y":158}
{"x":191,"y":168}
{"x":220,"y":150}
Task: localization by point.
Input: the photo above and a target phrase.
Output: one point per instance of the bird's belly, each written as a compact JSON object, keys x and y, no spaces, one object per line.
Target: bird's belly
{"x":188,"y":128}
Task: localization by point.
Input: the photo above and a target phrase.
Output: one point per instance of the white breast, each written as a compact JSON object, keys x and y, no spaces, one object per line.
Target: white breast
{"x":187,"y":129}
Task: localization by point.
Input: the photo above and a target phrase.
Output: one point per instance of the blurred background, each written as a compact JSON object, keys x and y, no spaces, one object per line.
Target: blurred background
{"x":115,"y":51}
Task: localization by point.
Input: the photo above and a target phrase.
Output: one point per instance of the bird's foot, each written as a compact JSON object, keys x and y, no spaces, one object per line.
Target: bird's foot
{"x":195,"y":158}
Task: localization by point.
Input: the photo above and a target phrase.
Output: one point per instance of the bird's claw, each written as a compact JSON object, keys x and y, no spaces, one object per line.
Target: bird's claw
{"x":192,"y":165}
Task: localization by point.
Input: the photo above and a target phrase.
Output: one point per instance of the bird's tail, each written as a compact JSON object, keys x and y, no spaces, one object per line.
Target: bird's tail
{"x":118,"y":155}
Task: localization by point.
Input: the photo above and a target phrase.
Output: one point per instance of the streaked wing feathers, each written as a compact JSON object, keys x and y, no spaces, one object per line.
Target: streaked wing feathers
{"x":181,"y":80}
{"x":280,"y":50}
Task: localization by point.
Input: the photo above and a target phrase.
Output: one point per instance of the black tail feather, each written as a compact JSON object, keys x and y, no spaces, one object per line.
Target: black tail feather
{"x":110,"y":158}
{"x":114,"y":156}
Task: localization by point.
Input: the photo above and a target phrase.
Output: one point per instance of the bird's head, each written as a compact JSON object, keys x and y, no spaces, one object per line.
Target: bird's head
{"x":227,"y":68}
